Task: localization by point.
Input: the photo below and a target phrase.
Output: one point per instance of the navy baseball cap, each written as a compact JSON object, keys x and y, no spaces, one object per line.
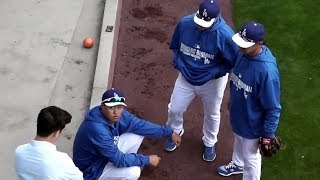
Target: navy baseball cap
{"x":207,"y":13}
{"x":113,"y":97}
{"x":249,"y":34}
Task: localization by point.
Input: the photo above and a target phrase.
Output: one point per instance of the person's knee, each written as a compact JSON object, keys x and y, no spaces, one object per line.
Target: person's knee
{"x":131,"y":137}
{"x":175,"y":113}
{"x":175,"y":110}
{"x":134,"y":173}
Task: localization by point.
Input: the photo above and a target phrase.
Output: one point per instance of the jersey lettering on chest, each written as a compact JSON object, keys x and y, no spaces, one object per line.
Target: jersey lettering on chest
{"x":196,"y":53}
{"x":236,"y":80}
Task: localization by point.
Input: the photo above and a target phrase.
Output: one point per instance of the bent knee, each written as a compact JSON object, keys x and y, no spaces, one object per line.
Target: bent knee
{"x":133,"y":173}
{"x":131,"y":137}
{"x":175,"y":109}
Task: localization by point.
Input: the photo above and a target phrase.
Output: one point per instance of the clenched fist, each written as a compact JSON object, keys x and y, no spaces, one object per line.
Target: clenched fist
{"x":154,"y":160}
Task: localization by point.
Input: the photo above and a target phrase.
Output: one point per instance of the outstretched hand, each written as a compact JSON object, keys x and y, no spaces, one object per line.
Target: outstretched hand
{"x":176,"y":138}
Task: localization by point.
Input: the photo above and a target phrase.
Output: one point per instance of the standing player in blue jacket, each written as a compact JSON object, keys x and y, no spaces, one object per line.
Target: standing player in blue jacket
{"x":108,"y":139}
{"x":254,"y":101}
{"x":202,"y":46}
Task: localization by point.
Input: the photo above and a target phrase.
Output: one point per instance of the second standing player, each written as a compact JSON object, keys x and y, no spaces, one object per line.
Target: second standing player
{"x":202,"y":48}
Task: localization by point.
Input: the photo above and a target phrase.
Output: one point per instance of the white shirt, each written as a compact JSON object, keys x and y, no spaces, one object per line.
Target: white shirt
{"x":40,"y":160}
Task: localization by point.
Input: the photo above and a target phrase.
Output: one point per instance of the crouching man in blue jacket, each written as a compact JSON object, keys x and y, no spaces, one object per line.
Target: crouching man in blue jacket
{"x":107,"y":141}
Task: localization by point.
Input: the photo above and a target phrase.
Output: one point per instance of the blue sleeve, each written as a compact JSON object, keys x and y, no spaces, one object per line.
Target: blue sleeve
{"x":230,"y":50}
{"x":104,"y":143}
{"x":227,"y":51}
{"x":175,"y":45}
{"x":227,"y":48}
{"x":145,"y":128}
{"x":270,"y":101}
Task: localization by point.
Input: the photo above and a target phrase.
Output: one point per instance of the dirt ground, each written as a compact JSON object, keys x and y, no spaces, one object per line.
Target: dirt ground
{"x":143,"y":71}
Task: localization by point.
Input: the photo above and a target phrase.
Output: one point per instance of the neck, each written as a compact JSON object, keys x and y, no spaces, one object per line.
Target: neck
{"x":256,"y":51}
{"x":47,"y":139}
{"x":110,"y":122}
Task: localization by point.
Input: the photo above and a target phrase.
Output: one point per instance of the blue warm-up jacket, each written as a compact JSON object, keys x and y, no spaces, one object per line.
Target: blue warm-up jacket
{"x":94,"y":143}
{"x":202,"y":55}
{"x":255,"y":95}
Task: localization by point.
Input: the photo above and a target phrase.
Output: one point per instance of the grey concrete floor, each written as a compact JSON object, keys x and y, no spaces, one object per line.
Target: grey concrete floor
{"x":42,"y":63}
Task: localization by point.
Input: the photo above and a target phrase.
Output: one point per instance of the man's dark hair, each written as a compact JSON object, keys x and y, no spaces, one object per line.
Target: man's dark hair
{"x":52,"y":119}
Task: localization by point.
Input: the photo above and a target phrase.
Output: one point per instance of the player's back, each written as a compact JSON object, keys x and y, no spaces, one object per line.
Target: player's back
{"x":41,"y":160}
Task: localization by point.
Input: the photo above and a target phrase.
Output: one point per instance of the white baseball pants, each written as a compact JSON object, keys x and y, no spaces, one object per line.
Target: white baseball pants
{"x":246,"y":154}
{"x":127,"y":143}
{"x":211,"y":95}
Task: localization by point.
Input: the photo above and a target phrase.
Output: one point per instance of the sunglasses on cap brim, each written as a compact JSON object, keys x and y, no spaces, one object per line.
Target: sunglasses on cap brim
{"x":114,"y":99}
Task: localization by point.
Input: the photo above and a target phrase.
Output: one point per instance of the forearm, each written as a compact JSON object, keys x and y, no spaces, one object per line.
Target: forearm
{"x":146,"y":128}
{"x":132,"y":159}
{"x":271,"y":122}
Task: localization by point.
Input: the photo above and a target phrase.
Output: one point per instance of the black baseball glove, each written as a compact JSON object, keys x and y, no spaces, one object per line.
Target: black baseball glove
{"x":269,"y":146}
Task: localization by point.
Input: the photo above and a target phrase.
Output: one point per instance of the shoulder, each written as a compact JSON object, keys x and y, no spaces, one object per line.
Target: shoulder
{"x":92,"y":132}
{"x":222,"y":26}
{"x":22,"y":149}
{"x":270,"y":58}
{"x":225,"y":31}
{"x":186,"y":20}
{"x":270,"y":71}
{"x":93,"y":125}
{"x":269,"y":54}
{"x":22,"y":156}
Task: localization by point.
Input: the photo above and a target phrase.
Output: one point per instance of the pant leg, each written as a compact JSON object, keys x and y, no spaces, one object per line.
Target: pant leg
{"x":127,"y":143}
{"x":237,"y":154}
{"x":111,"y":172}
{"x":182,"y":95}
{"x":252,"y":159}
{"x":211,"y":95}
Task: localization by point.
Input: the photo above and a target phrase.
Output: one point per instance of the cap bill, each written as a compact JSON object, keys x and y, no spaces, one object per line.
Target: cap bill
{"x":241,"y":42}
{"x":202,"y":22}
{"x":111,"y":104}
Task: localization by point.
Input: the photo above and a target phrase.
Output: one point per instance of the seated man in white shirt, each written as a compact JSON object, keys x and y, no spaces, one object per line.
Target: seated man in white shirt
{"x":40,"y":159}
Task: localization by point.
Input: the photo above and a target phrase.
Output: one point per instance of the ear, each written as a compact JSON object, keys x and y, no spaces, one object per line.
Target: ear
{"x":57,"y":134}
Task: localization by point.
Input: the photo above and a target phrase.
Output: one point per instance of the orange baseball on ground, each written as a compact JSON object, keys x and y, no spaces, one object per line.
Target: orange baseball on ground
{"x":88,"y":42}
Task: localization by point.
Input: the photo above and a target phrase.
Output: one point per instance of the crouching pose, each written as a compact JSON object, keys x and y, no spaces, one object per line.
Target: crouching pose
{"x":108,"y":139}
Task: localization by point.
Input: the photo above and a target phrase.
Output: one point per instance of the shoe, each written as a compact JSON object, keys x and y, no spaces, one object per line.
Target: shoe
{"x":230,"y":169}
{"x":170,"y":145}
{"x":209,"y":153}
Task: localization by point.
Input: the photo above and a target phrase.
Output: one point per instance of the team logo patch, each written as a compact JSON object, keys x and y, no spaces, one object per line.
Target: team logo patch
{"x":205,"y":13}
{"x":244,"y":33}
